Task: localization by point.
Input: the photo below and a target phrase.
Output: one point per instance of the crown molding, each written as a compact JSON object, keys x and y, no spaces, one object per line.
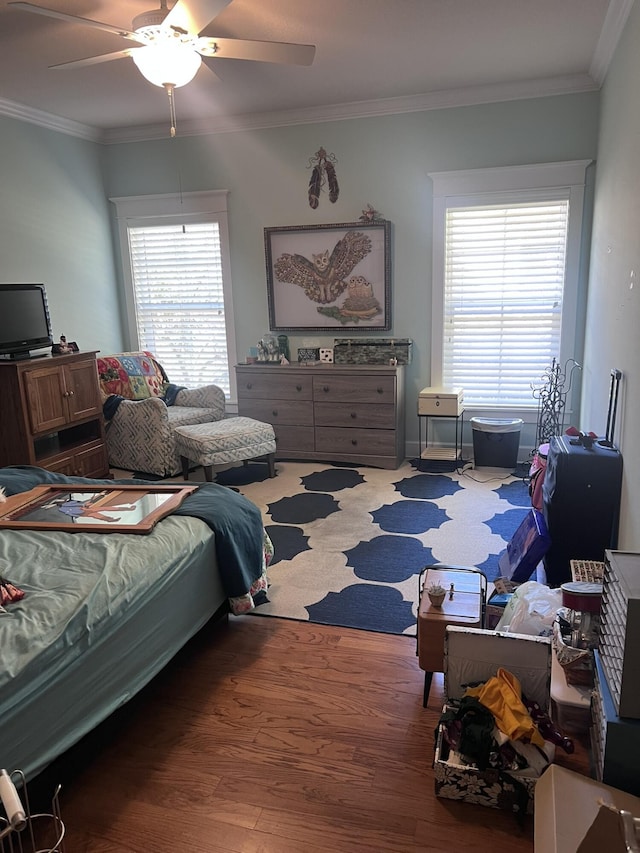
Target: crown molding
{"x":463,"y":97}
{"x":614,"y":23}
{"x":569,"y":84}
{"x":49,"y":121}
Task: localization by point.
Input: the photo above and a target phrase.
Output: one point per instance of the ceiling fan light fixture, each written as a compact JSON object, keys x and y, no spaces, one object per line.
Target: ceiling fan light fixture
{"x":170,"y":63}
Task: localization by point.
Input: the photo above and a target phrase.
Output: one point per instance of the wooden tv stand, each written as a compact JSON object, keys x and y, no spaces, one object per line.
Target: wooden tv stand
{"x":51,"y":415}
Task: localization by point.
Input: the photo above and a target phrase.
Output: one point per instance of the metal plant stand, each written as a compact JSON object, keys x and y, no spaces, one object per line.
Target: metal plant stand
{"x":21,"y":830}
{"x":552,"y":399}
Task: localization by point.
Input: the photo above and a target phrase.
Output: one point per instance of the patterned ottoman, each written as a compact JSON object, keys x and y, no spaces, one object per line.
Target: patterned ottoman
{"x":224,"y":442}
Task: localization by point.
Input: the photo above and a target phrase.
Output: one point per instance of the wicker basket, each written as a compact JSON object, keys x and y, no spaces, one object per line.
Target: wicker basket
{"x":576,"y":663}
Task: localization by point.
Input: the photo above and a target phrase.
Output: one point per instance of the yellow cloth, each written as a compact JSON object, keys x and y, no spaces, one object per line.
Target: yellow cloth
{"x":502,"y":695}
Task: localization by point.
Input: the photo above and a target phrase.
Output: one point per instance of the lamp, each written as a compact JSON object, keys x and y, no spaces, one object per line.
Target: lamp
{"x":167,"y":62}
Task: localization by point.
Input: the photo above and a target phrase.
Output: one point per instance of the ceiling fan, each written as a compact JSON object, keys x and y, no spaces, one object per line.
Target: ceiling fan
{"x":170,"y":47}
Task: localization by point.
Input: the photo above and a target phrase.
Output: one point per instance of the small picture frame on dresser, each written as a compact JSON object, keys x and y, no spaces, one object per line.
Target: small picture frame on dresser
{"x":64,"y":347}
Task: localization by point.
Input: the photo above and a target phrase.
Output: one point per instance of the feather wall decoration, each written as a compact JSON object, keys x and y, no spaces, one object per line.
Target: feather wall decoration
{"x":315,"y":185}
{"x":334,"y":189}
{"x":323,"y":173}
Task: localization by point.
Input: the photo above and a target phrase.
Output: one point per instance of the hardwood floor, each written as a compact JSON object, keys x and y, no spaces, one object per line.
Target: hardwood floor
{"x":274,"y":736}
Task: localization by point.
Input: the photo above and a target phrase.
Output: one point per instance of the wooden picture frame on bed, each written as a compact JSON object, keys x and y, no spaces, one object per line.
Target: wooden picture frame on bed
{"x":97,"y":509}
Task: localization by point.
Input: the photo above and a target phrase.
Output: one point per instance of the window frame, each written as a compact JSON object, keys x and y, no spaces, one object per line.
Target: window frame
{"x":177,"y":209}
{"x":509,"y":185}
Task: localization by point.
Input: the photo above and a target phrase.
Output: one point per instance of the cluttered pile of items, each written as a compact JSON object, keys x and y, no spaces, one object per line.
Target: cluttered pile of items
{"x":554,"y":659}
{"x":504,"y":714}
{"x":495,"y":736}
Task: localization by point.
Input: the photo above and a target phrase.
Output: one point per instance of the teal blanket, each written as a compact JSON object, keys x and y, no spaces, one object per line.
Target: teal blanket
{"x":235,"y":521}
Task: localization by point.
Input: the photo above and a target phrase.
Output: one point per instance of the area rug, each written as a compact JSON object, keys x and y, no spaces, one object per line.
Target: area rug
{"x":350,"y":542}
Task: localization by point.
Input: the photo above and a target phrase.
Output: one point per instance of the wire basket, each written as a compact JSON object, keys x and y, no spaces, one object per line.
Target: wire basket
{"x":21,"y":830}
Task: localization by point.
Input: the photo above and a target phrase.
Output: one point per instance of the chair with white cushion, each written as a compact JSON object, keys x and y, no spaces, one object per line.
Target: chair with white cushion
{"x":143,"y":411}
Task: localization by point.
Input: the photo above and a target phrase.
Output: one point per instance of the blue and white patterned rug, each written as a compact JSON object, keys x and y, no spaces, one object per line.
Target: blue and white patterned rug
{"x":350,"y":542}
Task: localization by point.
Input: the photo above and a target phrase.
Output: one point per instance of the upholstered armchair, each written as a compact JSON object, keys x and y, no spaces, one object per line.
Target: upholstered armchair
{"x":142,"y":409}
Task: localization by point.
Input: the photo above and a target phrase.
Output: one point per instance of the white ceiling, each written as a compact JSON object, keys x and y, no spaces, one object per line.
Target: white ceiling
{"x":372,"y":57}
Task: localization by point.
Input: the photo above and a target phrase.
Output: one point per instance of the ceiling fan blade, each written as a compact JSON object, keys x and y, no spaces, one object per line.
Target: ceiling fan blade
{"x":192,"y":16}
{"x":258,"y":51}
{"x":214,"y":77}
{"x":95,"y":60}
{"x":74,"y":19}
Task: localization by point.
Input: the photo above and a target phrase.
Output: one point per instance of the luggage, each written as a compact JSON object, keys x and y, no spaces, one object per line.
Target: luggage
{"x":581,"y":502}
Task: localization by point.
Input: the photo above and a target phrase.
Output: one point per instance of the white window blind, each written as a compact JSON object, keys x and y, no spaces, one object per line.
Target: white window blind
{"x":177,"y":279}
{"x":504,"y":279}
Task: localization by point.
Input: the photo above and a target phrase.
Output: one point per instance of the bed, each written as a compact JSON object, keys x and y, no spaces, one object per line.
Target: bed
{"x":104,"y":612}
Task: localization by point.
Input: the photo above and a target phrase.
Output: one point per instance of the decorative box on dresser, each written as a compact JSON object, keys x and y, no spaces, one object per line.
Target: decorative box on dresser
{"x":329,"y":412}
{"x":51,"y":414}
{"x":615,"y":702}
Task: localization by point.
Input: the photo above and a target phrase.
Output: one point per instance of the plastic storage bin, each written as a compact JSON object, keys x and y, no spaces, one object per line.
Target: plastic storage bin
{"x":496,"y":442}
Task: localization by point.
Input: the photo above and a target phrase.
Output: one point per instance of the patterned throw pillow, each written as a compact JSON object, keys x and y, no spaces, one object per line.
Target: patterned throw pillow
{"x":135,"y":376}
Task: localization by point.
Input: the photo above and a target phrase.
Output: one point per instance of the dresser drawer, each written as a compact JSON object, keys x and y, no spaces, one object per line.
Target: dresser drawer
{"x":274,"y":386}
{"x":292,"y":412}
{"x":294,"y":439}
{"x":372,"y":442}
{"x":355,"y":389}
{"x":360,"y":415}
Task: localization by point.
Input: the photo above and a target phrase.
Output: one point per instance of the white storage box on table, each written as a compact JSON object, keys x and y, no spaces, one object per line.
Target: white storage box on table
{"x":443,"y":402}
{"x":473,"y":655}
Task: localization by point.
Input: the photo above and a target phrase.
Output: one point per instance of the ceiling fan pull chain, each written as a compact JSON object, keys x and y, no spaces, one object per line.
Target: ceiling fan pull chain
{"x":172,"y":107}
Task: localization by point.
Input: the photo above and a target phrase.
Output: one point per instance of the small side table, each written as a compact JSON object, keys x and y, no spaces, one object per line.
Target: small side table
{"x":465,"y":606}
{"x":441,"y":454}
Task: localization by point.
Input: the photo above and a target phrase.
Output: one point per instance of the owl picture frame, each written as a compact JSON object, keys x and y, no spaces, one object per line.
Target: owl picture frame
{"x":329,"y":277}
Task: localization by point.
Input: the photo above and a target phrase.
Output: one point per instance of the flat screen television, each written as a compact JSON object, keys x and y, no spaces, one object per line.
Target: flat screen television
{"x":24,"y":320}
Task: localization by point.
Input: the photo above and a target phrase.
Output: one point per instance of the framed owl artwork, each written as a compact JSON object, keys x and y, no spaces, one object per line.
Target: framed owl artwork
{"x":329,"y":277}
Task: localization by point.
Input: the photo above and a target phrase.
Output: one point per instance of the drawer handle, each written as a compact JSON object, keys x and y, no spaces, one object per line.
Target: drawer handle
{"x":275,"y":413}
{"x":354,"y":441}
{"x":353,"y":416}
{"x":380,"y":390}
{"x":326,"y":389}
{"x":298,"y":387}
{"x":249,"y":385}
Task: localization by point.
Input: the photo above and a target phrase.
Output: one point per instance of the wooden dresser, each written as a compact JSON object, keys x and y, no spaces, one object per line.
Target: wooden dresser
{"x":51,"y":415}
{"x":330,"y":412}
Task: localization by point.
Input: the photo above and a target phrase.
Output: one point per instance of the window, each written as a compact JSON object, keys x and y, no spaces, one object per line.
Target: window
{"x":506,"y":259}
{"x":177,"y":283}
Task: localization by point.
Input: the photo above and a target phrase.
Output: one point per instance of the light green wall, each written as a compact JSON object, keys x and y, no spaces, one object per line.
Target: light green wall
{"x":55,"y":229}
{"x":383,"y":161}
{"x":613,"y":318}
{"x":57,"y":226}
